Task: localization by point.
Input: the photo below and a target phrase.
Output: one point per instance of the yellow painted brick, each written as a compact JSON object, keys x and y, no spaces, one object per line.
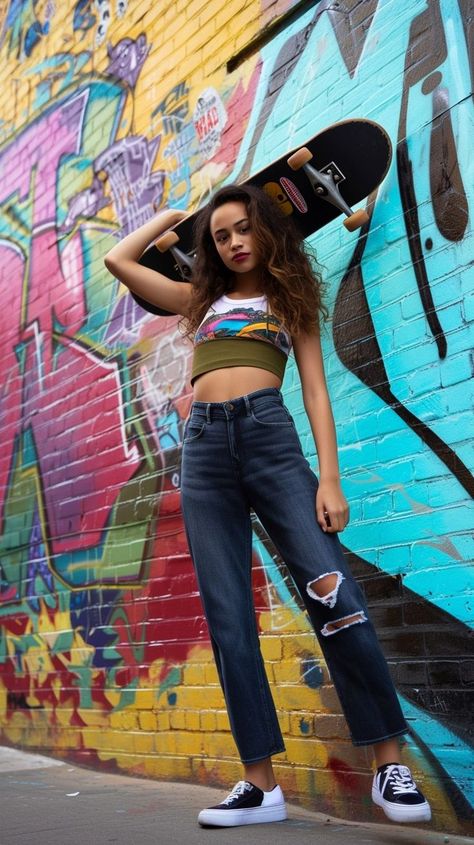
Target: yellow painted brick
{"x":234,"y":14}
{"x":163,"y":721}
{"x":188,"y":742}
{"x":285,"y":621}
{"x":14,"y":733}
{"x":125,"y":720}
{"x":192,"y":720}
{"x":287,"y":671}
{"x":143,"y":743}
{"x":144,"y":699}
{"x":63,"y":715}
{"x":141,"y":11}
{"x":295,"y":697}
{"x":302,"y":724}
{"x":193,"y":698}
{"x":165,"y":742}
{"x":171,"y":768}
{"x":284,"y":721}
{"x":222,"y":720}
{"x":305,"y":752}
{"x":91,"y":737}
{"x":210,"y":674}
{"x":203,"y":35}
{"x":189,"y":65}
{"x":168,"y":49}
{"x":193,"y":9}
{"x":147,"y":721}
{"x":303,"y":644}
{"x":123,"y":760}
{"x":177,"y":719}
{"x":38,"y":737}
{"x":93,"y":717}
{"x":208,"y":720}
{"x":194,"y":674}
{"x":199,"y":654}
{"x":3,"y":700}
{"x":212,"y":770}
{"x":124,"y":741}
{"x":220,"y":745}
{"x":68,"y":739}
{"x":271,"y":648}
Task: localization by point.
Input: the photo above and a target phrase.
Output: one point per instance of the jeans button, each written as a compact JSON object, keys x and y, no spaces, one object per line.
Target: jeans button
{"x":229,"y":406}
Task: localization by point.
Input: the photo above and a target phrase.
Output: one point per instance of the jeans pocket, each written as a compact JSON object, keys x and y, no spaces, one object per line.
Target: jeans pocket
{"x":272,"y":414}
{"x":193,"y":430}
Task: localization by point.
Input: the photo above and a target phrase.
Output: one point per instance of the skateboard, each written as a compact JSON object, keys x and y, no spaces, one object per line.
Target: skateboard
{"x":312,"y":184}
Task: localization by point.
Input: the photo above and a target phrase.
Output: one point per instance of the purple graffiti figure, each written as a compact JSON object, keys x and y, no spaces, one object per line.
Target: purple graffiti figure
{"x":127,"y":59}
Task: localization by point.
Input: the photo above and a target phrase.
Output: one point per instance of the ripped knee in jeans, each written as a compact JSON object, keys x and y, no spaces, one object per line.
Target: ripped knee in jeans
{"x":325,"y":589}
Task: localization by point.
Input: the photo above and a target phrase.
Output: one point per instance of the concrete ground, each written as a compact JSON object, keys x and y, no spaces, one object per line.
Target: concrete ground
{"x":48,"y":802}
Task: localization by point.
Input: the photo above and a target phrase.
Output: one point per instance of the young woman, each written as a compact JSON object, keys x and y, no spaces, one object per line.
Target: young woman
{"x":253,"y":297}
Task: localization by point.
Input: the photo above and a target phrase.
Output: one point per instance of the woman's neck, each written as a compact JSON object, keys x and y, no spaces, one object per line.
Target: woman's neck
{"x":241,"y":294}
{"x":246,"y":286}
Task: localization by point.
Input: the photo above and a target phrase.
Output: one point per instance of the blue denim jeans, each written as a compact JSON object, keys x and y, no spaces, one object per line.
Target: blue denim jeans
{"x":245,"y":454}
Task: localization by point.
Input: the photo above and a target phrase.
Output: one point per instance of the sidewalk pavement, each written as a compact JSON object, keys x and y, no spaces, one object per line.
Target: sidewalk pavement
{"x":49,"y":802}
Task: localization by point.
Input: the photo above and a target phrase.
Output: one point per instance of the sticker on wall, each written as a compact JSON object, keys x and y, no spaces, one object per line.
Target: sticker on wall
{"x":209,"y":118}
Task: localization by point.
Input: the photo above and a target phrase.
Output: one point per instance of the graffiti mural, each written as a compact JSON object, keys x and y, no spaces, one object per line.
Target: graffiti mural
{"x":23,"y":24}
{"x":97,"y":15}
{"x":104,"y":652}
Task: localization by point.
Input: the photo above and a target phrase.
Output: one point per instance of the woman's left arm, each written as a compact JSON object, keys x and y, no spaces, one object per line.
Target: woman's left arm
{"x":332,"y":510}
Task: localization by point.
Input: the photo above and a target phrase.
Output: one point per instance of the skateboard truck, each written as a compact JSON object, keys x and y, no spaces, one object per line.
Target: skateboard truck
{"x":184,"y":263}
{"x":325,"y":184}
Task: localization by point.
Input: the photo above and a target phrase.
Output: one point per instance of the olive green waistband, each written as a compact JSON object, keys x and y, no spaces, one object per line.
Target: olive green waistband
{"x":237,"y":352}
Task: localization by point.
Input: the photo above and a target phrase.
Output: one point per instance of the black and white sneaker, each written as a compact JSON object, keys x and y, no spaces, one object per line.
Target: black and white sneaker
{"x":394,"y":790}
{"x":246,"y":804}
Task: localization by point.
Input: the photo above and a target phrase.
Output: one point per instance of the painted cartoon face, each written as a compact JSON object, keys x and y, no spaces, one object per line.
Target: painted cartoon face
{"x":230,"y":230}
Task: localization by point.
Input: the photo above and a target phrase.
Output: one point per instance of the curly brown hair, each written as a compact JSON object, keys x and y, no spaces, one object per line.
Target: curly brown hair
{"x":290,"y":280}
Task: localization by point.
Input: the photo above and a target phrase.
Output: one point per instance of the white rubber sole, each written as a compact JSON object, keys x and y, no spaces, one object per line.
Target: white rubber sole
{"x":410,"y":813}
{"x":234,"y":818}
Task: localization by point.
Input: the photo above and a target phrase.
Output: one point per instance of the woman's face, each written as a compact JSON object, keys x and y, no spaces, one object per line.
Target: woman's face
{"x":231,"y":233}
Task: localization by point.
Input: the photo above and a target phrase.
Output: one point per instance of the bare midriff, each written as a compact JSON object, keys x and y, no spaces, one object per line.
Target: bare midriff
{"x":232,"y":382}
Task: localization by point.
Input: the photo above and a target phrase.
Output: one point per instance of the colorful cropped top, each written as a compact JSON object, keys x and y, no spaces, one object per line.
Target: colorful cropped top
{"x":240,"y":333}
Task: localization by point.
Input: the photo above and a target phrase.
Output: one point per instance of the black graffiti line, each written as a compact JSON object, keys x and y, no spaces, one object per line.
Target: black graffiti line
{"x":425,"y":54}
{"x":410,"y":214}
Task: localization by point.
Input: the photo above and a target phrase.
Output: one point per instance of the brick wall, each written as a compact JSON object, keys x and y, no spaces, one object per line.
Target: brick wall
{"x":108,"y":110}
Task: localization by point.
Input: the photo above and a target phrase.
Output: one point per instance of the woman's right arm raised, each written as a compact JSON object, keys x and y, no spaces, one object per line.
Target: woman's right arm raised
{"x":122,"y":261}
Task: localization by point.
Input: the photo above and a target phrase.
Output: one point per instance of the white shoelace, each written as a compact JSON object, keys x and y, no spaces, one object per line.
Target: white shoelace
{"x":399,"y":777}
{"x":239,"y":789}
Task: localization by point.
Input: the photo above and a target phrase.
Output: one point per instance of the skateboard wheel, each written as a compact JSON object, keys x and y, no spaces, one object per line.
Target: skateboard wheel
{"x":298,"y":159}
{"x":166,"y":241}
{"x":356,"y":220}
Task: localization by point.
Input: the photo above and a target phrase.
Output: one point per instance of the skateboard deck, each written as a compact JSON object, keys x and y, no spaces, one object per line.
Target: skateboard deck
{"x":313,"y":185}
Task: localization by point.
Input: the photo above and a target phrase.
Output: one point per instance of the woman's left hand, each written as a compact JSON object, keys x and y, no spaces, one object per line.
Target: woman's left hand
{"x":332,"y":509}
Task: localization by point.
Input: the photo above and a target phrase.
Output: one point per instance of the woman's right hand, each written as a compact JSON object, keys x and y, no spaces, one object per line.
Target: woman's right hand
{"x":170,"y":217}
{"x":123,"y":261}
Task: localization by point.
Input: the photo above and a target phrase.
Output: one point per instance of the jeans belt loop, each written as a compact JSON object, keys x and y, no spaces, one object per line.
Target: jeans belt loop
{"x":208,"y":412}
{"x":247,"y":405}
